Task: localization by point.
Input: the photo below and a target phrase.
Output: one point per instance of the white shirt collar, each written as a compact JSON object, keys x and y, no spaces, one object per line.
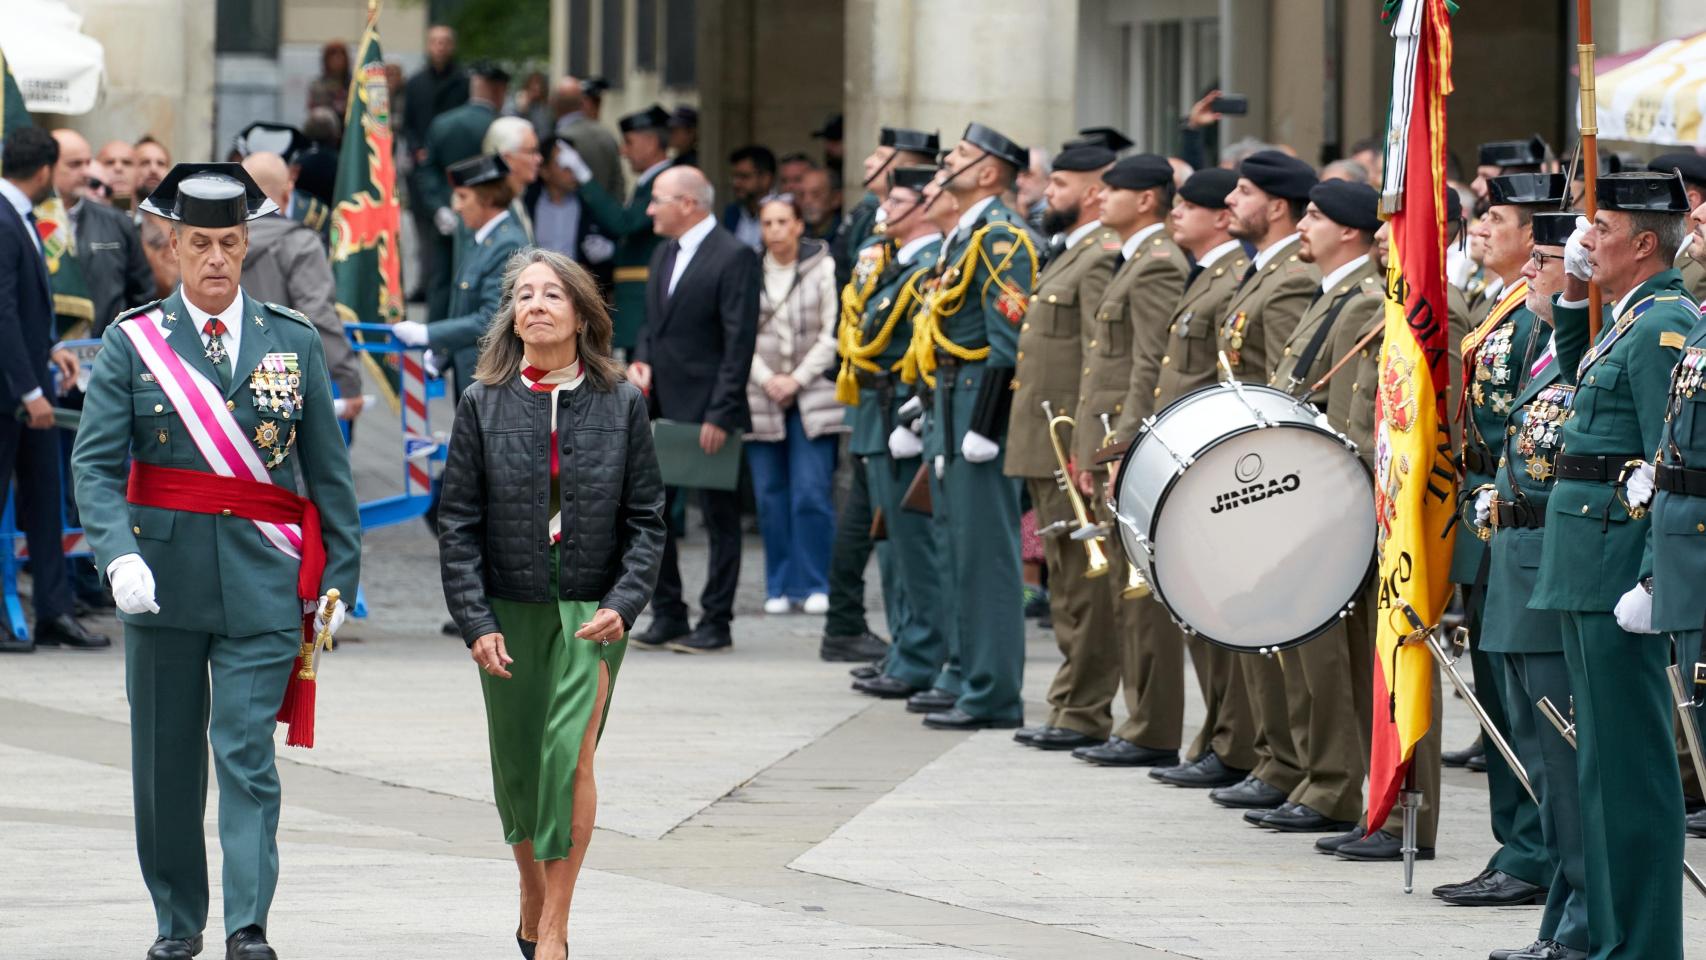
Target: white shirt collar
{"x":1495,"y":286}
{"x":1623,"y":301}
{"x":481,"y":234}
{"x":696,"y":234}
{"x":973,"y":212}
{"x":20,"y":203}
{"x":1210,"y":258}
{"x":1331,"y":280}
{"x":653,"y":171}
{"x":231,"y":316}
{"x":1267,"y":256}
{"x":909,"y":252}
{"x":1138,"y":239}
{"x":1082,"y":232}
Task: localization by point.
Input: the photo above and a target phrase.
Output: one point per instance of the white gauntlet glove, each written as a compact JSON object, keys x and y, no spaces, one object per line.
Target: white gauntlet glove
{"x":412,"y":333}
{"x":904,"y":444}
{"x":1483,"y":507}
{"x":340,"y":611}
{"x":133,"y":584}
{"x":1638,"y":489}
{"x":977,"y":448}
{"x":570,"y":159}
{"x":1576,"y":262}
{"x":1635,"y":610}
{"x":445,"y":220}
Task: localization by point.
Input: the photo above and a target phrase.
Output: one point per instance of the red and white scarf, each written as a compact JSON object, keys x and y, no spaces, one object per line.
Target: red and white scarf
{"x":540,"y":380}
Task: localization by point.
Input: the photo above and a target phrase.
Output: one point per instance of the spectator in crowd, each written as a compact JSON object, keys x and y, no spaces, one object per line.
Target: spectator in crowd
{"x":554,"y":207}
{"x":577,"y":122}
{"x":330,"y":90}
{"x":285,"y":264}
{"x":752,"y":176}
{"x":157,"y":247}
{"x":454,"y":136}
{"x":317,"y":163}
{"x":1370,"y":152}
{"x":791,"y":447}
{"x":834,"y":150}
{"x":1181,"y":171}
{"x":513,"y":139}
{"x":437,"y":88}
{"x":119,"y":159}
{"x":1346,"y":169}
{"x":684,"y":136}
{"x":99,"y":185}
{"x":533,"y":104}
{"x":820,"y":200}
{"x":1031,"y":182}
{"x":153,"y":160}
{"x":693,"y":357}
{"x":793,"y":168}
{"x":107,"y":245}
{"x":29,"y":446}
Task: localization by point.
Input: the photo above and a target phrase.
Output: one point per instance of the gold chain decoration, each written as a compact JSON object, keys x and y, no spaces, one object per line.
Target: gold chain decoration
{"x":948,"y":296}
{"x":857,"y":354}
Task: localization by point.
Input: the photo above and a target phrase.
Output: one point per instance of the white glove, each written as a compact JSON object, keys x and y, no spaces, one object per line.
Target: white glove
{"x":1638,"y":489}
{"x":429,"y":362}
{"x":413,"y":333}
{"x":941,"y":466}
{"x":913,"y":407}
{"x":977,"y":448}
{"x":1635,"y":610}
{"x":1576,"y":262}
{"x":339,"y":613}
{"x":445,"y":219}
{"x":904,"y":444}
{"x":1483,"y":507}
{"x":570,"y":159}
{"x":597,"y":248}
{"x":133,"y":584}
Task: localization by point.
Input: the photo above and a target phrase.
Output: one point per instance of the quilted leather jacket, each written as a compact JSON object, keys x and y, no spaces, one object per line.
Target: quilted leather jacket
{"x":493,"y":514}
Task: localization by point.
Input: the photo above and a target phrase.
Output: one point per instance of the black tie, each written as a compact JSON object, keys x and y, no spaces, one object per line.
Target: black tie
{"x":1319,"y":293}
{"x":670,"y":249}
{"x":1196,"y":271}
{"x":1248,"y":274}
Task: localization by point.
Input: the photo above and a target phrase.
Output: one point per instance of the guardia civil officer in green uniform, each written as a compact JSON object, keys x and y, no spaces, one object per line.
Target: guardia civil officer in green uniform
{"x":1046,"y":382}
{"x":288,"y":142}
{"x":1529,"y":643}
{"x":645,"y":145}
{"x":1269,"y":200}
{"x":1223,"y":750}
{"x":872,"y":348}
{"x":1324,"y":676}
{"x":455,"y":135}
{"x":212,"y":403}
{"x":1126,"y":328}
{"x":1691,"y":259}
{"x":1498,"y":355}
{"x":1598,"y":552}
{"x":896,"y":147}
{"x":964,"y":348}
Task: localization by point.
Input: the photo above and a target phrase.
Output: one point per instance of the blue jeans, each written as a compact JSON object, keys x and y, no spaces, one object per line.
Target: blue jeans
{"x":791,"y":481}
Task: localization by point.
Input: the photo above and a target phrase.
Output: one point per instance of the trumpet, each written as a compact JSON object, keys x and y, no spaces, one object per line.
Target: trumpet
{"x":1135,"y":585}
{"x":1063,"y":477}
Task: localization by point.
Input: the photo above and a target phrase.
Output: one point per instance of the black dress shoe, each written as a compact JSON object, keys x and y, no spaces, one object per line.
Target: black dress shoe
{"x":65,"y":631}
{"x":864,"y":671}
{"x":168,"y":949}
{"x":660,"y":633}
{"x":1548,"y":950}
{"x":853,"y":649}
{"x":705,"y":639}
{"x":1124,"y":753}
{"x":1379,"y":846}
{"x":1248,"y":794}
{"x":1497,"y":889}
{"x":1302,"y":818}
{"x":1448,"y":888}
{"x":1331,"y":845}
{"x":931,"y":701}
{"x":957,"y":719}
{"x":9,"y":642}
{"x":1024,"y":734}
{"x":1509,"y":952}
{"x":886,"y":687}
{"x":1208,"y":771}
{"x":1255,"y":817}
{"x":1695,"y":824}
{"x":1476,"y":764}
{"x":1458,"y":758}
{"x":1060,"y":738}
{"x":248,"y":943}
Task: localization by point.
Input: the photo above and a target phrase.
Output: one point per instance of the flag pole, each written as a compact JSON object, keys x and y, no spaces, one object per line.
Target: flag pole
{"x":1589,"y":142}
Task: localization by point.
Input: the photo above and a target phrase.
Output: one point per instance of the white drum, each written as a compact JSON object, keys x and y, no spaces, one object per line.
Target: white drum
{"x":1251,"y":519}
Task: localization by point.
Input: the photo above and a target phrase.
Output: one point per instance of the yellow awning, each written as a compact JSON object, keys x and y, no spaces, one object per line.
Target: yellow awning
{"x":1659,"y":97}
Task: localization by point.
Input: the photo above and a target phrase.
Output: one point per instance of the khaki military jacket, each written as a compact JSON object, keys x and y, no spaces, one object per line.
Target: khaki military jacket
{"x":1129,"y":331}
{"x":1348,"y":304}
{"x":1189,"y":361}
{"x":1693,"y":274}
{"x":1050,"y":352}
{"x":1264,"y":310}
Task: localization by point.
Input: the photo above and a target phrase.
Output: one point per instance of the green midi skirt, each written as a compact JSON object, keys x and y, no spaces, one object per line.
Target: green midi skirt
{"x":537,"y":719}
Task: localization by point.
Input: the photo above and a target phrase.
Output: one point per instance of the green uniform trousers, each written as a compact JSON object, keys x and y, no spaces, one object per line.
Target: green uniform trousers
{"x":175,"y":713}
{"x":1551,"y":765}
{"x":1081,"y":696}
{"x":1228,"y":727}
{"x":1688,"y":653}
{"x":1331,"y":677}
{"x":912,"y":591}
{"x":1631,"y":793}
{"x":976,"y":522}
{"x":1151,"y":664}
{"x":1277,"y":763}
{"x":1515,"y":817}
{"x":848,"y":555}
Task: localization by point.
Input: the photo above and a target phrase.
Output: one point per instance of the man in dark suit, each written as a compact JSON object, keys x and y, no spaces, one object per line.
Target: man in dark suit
{"x":108,"y":245}
{"x":692,"y":359}
{"x":27,"y":441}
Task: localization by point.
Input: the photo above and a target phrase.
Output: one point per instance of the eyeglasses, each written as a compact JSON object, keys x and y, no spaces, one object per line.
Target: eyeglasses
{"x":671,"y":199}
{"x":1541,"y":258}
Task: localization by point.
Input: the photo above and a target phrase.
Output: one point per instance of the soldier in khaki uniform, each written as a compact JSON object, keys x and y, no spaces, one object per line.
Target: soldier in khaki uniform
{"x":1691,"y":259}
{"x":1223,"y":750}
{"x":1327,"y":679}
{"x":1049,"y":369}
{"x":1130,"y":328}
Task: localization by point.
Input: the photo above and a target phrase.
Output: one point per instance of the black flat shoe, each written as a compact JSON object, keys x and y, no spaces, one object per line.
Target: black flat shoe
{"x":704,"y":640}
{"x":1060,"y":738}
{"x":1248,"y":794}
{"x":1024,"y":735}
{"x":1301,"y":818}
{"x":931,"y":701}
{"x":1331,"y":845}
{"x":65,"y":631}
{"x":1379,"y":847}
{"x":526,"y":946}
{"x":957,"y":719}
{"x":1208,"y":771}
{"x":864,"y":671}
{"x":885,"y":687}
{"x":1255,"y":817}
{"x":168,"y":949}
{"x":1695,"y":824}
{"x":1497,"y":889}
{"x":1476,"y":764}
{"x":1459,"y":758}
{"x":659,"y":633}
{"x":249,"y":943}
{"x":1123,"y":753}
{"x":1548,"y":950}
{"x":1445,"y":889}
{"x":852,"y":649}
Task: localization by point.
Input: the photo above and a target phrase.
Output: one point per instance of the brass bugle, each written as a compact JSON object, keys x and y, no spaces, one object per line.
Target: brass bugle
{"x":1063,"y":477}
{"x":1135,"y":585}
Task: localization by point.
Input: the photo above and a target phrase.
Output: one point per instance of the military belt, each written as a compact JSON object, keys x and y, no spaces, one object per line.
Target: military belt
{"x":1592,"y":469}
{"x":1502,"y":514}
{"x":873,"y":381}
{"x":1688,"y":481}
{"x":1477,"y":460}
{"x":947,"y":361}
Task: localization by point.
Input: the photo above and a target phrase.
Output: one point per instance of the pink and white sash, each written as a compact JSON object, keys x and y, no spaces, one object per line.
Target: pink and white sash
{"x":210,"y":424}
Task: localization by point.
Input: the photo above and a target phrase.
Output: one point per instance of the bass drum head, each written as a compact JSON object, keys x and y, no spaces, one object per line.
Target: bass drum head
{"x":1263,"y":541}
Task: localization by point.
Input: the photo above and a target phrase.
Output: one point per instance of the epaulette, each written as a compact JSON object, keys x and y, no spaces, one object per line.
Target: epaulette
{"x":134,"y":311}
{"x":283,"y":310}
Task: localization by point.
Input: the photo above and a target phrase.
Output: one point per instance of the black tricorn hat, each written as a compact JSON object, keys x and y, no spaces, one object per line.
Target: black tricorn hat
{"x":1526,"y":189}
{"x":264,"y":136}
{"x":653,"y":117}
{"x":1608,"y":163}
{"x":1514,"y":153}
{"x":1552,"y":228}
{"x":1104,"y":136}
{"x":594,"y":87}
{"x":831,"y":129}
{"x":912,"y":141}
{"x":1140,"y":171}
{"x":208,"y":195}
{"x":997,"y":145}
{"x":1692,"y":165}
{"x":1642,"y":193}
{"x":477,"y":170}
{"x":490,"y":70}
{"x":912,"y":176}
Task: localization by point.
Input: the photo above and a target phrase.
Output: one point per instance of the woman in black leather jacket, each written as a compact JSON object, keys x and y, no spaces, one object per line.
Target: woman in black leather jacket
{"x":550,"y":534}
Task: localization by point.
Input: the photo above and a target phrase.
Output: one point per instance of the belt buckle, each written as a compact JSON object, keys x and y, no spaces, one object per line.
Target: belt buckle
{"x":1493,"y":513}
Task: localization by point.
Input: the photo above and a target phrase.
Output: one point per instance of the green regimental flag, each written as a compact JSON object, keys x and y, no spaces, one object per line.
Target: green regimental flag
{"x":73,"y":309}
{"x":12,"y":111}
{"x":366,"y":258}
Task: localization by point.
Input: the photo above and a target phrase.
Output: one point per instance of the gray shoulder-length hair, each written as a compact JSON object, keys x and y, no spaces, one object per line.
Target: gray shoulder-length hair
{"x":501,"y":348}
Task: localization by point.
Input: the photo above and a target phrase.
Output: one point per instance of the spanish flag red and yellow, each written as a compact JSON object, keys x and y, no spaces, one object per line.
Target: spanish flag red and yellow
{"x":1415,"y":483}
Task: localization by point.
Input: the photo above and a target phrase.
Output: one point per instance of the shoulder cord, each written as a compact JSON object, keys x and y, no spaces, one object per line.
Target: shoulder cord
{"x":927,"y":335}
{"x":859,"y":354}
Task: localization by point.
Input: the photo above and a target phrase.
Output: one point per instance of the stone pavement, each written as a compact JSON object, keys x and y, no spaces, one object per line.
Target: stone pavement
{"x":751,"y":807}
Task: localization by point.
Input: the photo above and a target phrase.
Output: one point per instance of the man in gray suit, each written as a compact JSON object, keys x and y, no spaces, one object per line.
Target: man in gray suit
{"x":115,"y":269}
{"x":597,"y":145}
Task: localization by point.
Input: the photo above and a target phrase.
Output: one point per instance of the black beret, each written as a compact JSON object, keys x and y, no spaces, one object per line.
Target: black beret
{"x":477,"y":170}
{"x":1347,"y":203}
{"x":1078,"y":156}
{"x":1209,"y":187}
{"x":1140,"y":171}
{"x":1104,"y":136}
{"x":208,"y":195}
{"x":1514,"y":153}
{"x":1279,"y":174}
{"x":1642,"y":193}
{"x":912,"y":177}
{"x":653,"y":117}
{"x":911,"y":141}
{"x":1692,"y":165}
{"x":997,"y":145}
{"x":1526,"y":189}
{"x":1552,"y":228}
